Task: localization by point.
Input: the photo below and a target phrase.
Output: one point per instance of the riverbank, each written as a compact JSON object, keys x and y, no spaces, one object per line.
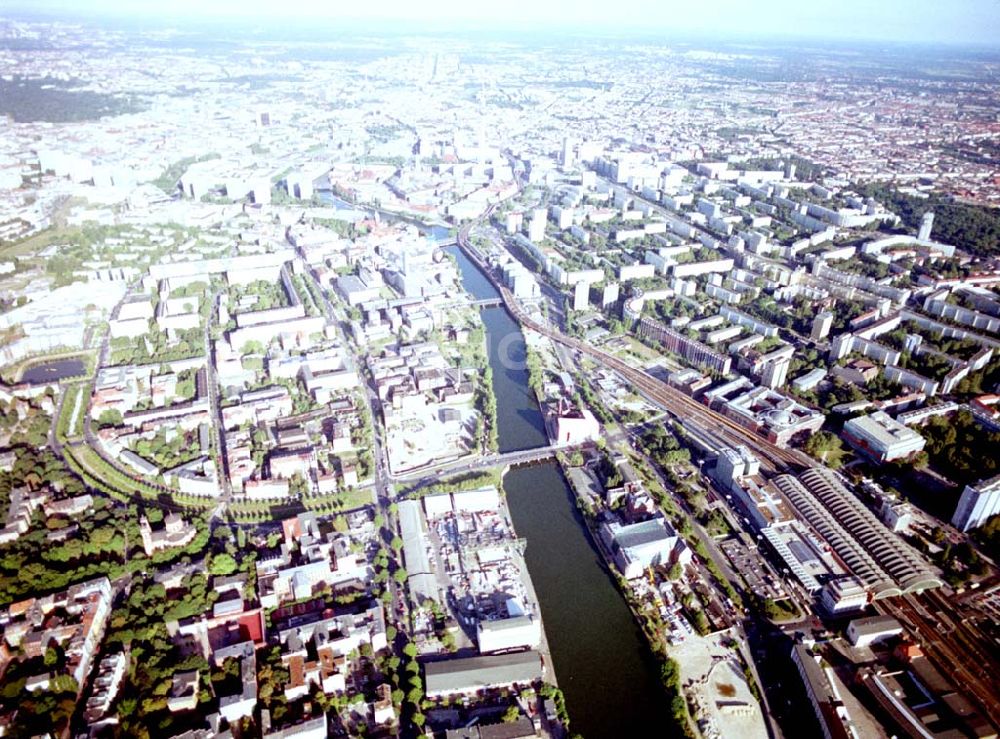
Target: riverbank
{"x":608,"y":676}
{"x":605,"y":671}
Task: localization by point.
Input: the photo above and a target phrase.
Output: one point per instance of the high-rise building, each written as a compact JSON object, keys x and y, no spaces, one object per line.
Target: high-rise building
{"x":568,"y":158}
{"x":776,"y":371}
{"x":733,"y":464}
{"x":822,"y":324}
{"x":536,"y":230}
{"x":978,"y":504}
{"x":609,"y":295}
{"x":581,"y":295}
{"x":926,"y":224}
{"x":536,"y":226}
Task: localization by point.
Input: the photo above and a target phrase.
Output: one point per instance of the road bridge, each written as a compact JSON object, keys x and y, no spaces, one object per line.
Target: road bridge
{"x":488,"y":302}
{"x":424,"y":477}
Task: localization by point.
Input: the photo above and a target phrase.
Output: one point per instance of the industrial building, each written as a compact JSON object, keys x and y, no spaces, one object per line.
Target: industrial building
{"x":640,"y":545}
{"x":467,"y":676}
{"x":884,"y":563}
{"x":507,"y":634}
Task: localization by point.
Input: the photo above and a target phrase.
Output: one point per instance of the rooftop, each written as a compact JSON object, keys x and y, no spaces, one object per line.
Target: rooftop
{"x":477,"y":673}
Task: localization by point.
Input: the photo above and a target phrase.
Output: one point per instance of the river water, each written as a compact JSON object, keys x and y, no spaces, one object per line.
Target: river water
{"x":600,"y":657}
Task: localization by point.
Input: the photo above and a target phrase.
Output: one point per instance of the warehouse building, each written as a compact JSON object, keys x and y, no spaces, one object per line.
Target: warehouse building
{"x":468,"y":676}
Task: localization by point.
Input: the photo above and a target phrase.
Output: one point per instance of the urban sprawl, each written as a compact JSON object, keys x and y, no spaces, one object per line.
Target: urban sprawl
{"x":254,"y":450}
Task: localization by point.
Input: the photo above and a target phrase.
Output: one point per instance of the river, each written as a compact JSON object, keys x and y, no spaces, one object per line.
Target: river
{"x":600,"y":656}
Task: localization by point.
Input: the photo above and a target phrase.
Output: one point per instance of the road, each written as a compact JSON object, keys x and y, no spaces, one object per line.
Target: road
{"x":384,"y":492}
{"x":215,"y":412}
{"x":953,"y":644}
{"x":524,"y":456}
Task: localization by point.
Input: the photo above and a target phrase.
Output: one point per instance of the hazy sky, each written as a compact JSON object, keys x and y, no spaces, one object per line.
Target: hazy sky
{"x":946,"y":21}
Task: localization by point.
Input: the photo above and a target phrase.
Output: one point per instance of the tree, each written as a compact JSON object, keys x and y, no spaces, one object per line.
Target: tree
{"x":826,"y":447}
{"x":110,"y":417}
{"x":511,"y":714}
{"x":222,"y":564}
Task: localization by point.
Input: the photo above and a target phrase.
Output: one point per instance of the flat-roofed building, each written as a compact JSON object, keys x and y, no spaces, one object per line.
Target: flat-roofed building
{"x":505,"y":634}
{"x":831,"y":713}
{"x":692,"y":350}
{"x":862,"y":632}
{"x":772,"y":415}
{"x":803,"y":554}
{"x":467,"y":676}
{"x":844,"y":595}
{"x":881,"y":437}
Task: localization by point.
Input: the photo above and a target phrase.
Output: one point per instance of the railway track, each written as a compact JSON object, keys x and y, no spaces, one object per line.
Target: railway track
{"x":773,"y":458}
{"x":951,"y":645}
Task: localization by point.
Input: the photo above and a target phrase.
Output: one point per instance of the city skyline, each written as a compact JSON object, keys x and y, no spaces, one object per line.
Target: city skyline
{"x":963,"y":22}
{"x":498,"y":384}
